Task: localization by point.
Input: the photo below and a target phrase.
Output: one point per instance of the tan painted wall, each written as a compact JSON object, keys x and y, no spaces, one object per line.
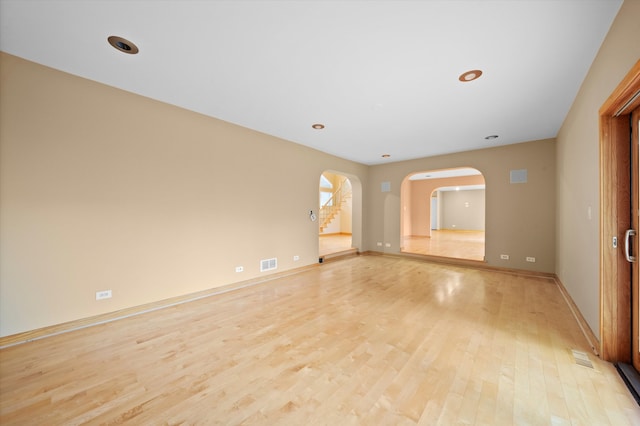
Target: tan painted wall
{"x":102,"y":189}
{"x":520,"y":218}
{"x":463,"y":210}
{"x":345,"y":217}
{"x":577,"y":237}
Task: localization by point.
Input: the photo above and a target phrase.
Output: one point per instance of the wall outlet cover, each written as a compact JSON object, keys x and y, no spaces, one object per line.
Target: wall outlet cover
{"x":104,"y":294}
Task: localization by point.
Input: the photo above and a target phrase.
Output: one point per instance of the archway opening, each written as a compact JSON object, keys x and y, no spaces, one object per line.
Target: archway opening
{"x":443,"y":213}
{"x":336,"y":214}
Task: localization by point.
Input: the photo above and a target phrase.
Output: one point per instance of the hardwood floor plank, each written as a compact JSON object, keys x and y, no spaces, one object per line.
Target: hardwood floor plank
{"x":368,"y":340}
{"x":447,"y":243}
{"x":333,"y":243}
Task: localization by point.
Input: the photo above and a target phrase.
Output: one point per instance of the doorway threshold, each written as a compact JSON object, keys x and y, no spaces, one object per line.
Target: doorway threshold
{"x":631,"y":378}
{"x":339,"y":255}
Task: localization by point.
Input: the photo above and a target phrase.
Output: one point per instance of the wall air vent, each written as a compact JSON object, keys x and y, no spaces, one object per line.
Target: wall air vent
{"x":518,"y":176}
{"x":268,"y":264}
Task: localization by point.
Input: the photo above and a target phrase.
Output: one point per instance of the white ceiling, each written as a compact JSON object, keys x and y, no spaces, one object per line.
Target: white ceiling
{"x":439,"y":174}
{"x":447,"y":173}
{"x":382,"y":76}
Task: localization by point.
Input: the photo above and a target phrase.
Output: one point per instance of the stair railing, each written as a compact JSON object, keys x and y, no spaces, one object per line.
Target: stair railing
{"x":334,"y":203}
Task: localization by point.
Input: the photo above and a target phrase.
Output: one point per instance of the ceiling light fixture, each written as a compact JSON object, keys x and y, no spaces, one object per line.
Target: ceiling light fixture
{"x":318,"y":126}
{"x":491,"y":137}
{"x":470,"y":76}
{"x":123,"y":45}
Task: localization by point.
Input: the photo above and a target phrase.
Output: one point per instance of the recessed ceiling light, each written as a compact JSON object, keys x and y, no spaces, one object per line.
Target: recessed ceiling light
{"x":123,"y":45}
{"x":491,"y":137}
{"x":386,"y":155}
{"x":318,"y":126}
{"x":470,"y":76}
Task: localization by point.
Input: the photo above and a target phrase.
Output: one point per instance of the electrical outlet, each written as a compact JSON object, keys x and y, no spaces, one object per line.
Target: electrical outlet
{"x":531,"y":259}
{"x":239,"y":269}
{"x":504,"y":256}
{"x":379,"y":244}
{"x":104,"y":294}
{"x":296,"y":258}
{"x":387,"y":244}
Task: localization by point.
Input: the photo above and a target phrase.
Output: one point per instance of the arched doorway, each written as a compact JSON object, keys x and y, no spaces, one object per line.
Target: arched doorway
{"x":336,"y":214}
{"x":443,"y":213}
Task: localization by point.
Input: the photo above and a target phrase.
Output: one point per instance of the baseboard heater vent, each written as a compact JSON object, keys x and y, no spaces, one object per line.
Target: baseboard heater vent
{"x":268,"y":264}
{"x":581,"y":358}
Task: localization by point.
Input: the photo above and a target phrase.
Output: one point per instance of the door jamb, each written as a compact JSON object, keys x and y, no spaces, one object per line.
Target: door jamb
{"x":615,"y":292}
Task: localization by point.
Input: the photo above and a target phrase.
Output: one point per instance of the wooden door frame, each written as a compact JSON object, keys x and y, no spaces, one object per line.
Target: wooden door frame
{"x":615,"y":292}
{"x":635,"y":224}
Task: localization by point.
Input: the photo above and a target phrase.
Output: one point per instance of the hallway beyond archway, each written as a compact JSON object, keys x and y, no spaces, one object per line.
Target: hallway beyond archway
{"x":443,"y":214}
{"x":339,"y":217}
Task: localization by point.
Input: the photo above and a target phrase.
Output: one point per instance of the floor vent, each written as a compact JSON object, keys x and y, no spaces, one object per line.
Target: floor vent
{"x":581,"y":358}
{"x":268,"y":264}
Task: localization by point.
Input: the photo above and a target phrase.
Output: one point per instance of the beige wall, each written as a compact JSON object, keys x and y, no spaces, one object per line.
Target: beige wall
{"x":520,"y":218}
{"x":345,"y":217}
{"x":577,"y":236}
{"x":102,"y":189}
{"x":463,"y":210}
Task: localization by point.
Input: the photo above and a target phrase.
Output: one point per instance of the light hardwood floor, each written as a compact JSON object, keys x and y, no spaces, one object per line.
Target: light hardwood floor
{"x":334,"y":243}
{"x":446,"y":243}
{"x":369,"y":340}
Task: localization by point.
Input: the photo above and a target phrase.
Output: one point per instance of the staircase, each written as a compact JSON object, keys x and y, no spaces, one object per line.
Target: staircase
{"x":333,"y":205}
